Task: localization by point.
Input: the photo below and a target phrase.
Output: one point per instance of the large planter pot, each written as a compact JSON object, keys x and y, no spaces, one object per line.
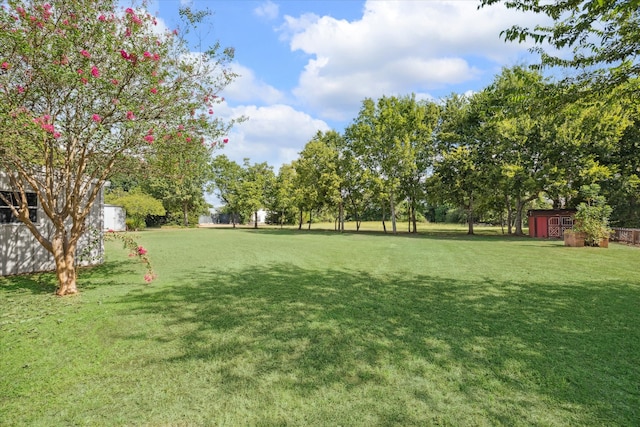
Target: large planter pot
{"x":604,"y":243}
{"x":573,"y":238}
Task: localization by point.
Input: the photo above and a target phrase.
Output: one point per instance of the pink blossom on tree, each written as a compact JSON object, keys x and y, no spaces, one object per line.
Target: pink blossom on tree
{"x":69,"y":154}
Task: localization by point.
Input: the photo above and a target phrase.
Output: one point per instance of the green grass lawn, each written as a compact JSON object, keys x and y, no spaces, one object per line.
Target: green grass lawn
{"x":277,"y":327}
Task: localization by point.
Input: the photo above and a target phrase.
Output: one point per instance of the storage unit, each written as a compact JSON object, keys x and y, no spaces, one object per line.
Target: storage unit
{"x":550,"y":223}
{"x":114,"y":218}
{"x":21,"y":253}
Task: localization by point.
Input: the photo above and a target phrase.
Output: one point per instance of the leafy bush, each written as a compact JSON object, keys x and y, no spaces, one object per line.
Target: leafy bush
{"x":138,"y":206}
{"x":456,"y":216}
{"x":592,"y":217}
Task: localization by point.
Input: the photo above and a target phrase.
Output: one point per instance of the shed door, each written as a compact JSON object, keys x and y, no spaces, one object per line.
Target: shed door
{"x":554,"y":227}
{"x":541,"y":226}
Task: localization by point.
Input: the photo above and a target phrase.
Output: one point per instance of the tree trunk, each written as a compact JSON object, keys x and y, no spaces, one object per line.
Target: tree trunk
{"x":341,"y":215}
{"x":255,"y":219}
{"x":185,"y":214}
{"x":509,"y":217}
{"x":413,"y":216}
{"x":64,"y":256}
{"x":310,"y":214}
{"x":392,"y":207}
{"x":355,"y":213}
{"x":470,"y":215}
{"x":384,"y":225}
{"x":519,"y":206}
{"x":300,"y":221}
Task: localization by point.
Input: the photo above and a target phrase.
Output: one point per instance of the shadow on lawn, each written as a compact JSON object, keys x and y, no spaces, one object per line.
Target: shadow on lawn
{"x":502,"y":350}
{"x":46,"y":282}
{"x":431,"y":233}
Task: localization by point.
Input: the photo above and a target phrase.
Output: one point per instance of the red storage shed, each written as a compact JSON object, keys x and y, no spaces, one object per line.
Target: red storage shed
{"x":550,"y":223}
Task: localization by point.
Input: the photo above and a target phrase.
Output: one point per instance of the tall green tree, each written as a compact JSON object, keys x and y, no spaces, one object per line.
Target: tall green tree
{"x":281,"y":199}
{"x":391,"y":138}
{"x":255,"y":187}
{"x":84,"y":86}
{"x":178,"y":170}
{"x":457,"y":179}
{"x":227,"y":179}
{"x":622,"y":187}
{"x":357,"y":185}
{"x":317,"y":173}
{"x":513,"y":139}
{"x":543,"y":146}
{"x":421,"y":121}
{"x":332,"y":166}
{"x":460,"y":171}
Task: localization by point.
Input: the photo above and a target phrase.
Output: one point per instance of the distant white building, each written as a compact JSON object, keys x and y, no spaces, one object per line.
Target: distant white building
{"x":114,"y":218}
{"x":223,"y":218}
{"x":262,"y":216}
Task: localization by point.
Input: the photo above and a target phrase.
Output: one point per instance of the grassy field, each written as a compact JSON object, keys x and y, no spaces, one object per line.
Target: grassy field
{"x":278,"y":327}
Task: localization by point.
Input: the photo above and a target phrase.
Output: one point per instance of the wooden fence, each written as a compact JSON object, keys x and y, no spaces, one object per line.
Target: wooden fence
{"x":626,"y":235}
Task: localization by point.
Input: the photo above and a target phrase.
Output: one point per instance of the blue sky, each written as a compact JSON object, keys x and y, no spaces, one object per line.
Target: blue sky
{"x":306,"y":65}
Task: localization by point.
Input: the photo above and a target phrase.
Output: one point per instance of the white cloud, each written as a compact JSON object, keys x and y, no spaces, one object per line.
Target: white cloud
{"x":398,"y":47}
{"x":273,"y":134}
{"x":248,"y":88}
{"x":268,"y":10}
{"x":160,"y":29}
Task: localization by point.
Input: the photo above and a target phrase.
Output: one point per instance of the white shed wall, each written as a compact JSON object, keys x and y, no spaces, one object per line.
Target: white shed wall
{"x":21,"y":253}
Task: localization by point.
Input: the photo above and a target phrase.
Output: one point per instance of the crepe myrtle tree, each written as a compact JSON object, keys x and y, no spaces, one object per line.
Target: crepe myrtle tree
{"x":85,"y":85}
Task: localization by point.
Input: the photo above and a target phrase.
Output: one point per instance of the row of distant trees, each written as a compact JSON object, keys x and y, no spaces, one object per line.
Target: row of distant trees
{"x":523,"y":141}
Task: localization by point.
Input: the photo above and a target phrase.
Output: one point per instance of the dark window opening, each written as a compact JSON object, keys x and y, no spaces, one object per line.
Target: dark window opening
{"x":7,"y":217}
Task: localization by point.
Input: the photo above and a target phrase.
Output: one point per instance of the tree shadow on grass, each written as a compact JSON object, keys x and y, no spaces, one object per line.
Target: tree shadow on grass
{"x":504,"y":353}
{"x":431,"y":234}
{"x":34,"y":283}
{"x":47,"y":283}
